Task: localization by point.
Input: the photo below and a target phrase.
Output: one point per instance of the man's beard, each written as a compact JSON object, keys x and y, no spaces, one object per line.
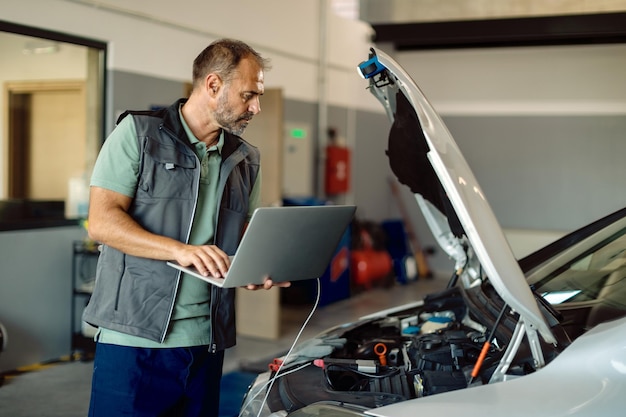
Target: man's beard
{"x":225,"y":117}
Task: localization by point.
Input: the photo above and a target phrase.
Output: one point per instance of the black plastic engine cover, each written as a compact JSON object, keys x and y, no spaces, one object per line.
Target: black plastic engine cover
{"x":309,"y":385}
{"x":436,"y":382}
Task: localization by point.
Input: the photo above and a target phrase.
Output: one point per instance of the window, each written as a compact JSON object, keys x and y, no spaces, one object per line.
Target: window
{"x":52,"y":115}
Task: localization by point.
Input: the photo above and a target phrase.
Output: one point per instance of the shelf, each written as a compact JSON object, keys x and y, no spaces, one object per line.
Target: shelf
{"x":84,"y":261}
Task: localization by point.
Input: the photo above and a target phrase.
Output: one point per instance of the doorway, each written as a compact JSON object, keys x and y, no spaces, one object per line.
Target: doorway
{"x":46,"y":138}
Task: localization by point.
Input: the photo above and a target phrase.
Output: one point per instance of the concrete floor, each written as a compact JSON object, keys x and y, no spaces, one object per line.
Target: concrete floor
{"x":63,"y":389}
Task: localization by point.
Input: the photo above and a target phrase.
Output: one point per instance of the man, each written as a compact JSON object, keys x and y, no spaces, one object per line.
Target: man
{"x":174,"y":184}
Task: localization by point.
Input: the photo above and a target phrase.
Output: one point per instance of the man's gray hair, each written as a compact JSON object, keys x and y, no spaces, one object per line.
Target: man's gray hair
{"x":222,"y":58}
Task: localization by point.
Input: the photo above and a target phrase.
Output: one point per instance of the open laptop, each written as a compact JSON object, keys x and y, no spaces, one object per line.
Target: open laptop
{"x":285,"y":243}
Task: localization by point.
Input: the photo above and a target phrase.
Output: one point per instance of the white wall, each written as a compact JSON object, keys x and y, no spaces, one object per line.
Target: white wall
{"x":69,"y":63}
{"x":162,"y":37}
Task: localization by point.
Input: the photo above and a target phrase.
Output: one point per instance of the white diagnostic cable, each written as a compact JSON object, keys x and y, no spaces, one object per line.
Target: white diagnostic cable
{"x":270,"y":383}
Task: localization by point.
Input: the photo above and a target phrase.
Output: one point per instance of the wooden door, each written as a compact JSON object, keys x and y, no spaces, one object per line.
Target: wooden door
{"x":266,"y":132}
{"x":46,"y":140}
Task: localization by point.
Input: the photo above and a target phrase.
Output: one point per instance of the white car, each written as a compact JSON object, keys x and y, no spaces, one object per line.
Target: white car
{"x":543,"y":336}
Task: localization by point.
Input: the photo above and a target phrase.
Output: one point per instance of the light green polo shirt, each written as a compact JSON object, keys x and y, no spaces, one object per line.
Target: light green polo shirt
{"x":117,"y":169}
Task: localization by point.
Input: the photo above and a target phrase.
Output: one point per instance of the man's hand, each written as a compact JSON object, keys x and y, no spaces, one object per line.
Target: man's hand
{"x":267,"y":284}
{"x":208,"y":259}
{"x":110,"y":223}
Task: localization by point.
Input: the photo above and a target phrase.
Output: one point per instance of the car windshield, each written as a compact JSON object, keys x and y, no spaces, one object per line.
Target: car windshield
{"x":597,"y":275}
{"x":588,"y":286}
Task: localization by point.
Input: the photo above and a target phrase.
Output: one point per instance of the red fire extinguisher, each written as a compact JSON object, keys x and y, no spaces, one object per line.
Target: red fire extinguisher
{"x":337,"y":172}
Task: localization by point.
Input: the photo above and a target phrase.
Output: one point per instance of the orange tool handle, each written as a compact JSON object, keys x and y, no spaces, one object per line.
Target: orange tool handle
{"x":481,"y":358}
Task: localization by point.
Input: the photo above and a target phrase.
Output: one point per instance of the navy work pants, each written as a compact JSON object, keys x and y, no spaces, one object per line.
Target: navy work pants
{"x":139,"y":382}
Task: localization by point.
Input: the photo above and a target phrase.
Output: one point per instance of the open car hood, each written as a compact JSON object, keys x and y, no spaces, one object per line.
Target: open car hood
{"x":424,"y":156}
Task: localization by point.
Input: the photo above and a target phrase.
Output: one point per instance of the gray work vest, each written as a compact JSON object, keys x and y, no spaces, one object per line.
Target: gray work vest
{"x":136,"y":295}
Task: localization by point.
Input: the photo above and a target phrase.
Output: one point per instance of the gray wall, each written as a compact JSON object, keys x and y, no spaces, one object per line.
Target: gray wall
{"x":371,"y":168}
{"x":129,"y":91}
{"x":36,"y":294}
{"x":539,"y":173}
{"x":546,"y":173}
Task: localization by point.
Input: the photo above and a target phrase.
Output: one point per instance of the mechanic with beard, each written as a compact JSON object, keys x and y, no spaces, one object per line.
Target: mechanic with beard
{"x":176,"y":184}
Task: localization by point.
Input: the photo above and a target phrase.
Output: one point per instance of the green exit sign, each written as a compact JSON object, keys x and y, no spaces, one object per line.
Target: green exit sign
{"x":298,"y":133}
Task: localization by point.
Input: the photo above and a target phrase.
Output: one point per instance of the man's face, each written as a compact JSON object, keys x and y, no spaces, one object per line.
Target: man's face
{"x":239,"y":99}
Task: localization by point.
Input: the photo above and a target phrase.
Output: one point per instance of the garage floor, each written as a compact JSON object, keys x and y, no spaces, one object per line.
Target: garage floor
{"x":63,"y":389}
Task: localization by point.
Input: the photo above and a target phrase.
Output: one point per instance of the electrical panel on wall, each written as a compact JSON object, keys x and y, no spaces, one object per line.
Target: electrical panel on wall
{"x":298,"y":160}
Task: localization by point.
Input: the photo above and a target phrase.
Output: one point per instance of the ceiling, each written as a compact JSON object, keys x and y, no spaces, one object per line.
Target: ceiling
{"x":436,"y":24}
{"x":525,"y":31}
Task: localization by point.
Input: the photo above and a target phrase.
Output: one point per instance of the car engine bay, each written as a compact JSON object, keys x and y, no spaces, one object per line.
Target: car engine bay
{"x":410,"y":354}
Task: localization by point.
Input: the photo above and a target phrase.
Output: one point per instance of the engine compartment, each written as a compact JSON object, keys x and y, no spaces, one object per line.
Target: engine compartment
{"x":410,"y":354}
{"x":426,"y":352}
